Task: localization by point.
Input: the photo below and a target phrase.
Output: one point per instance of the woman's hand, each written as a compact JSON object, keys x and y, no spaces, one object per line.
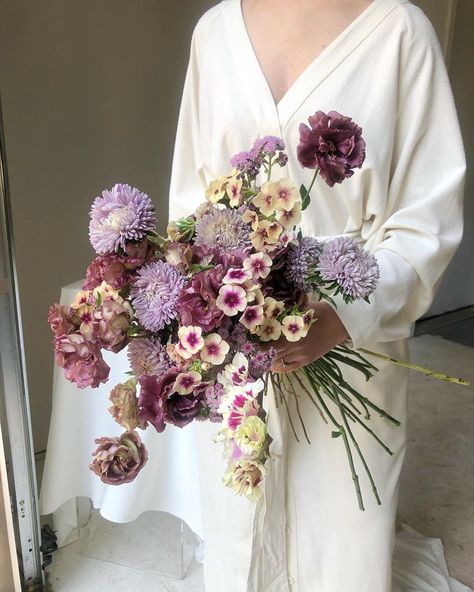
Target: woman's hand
{"x":324,"y":334}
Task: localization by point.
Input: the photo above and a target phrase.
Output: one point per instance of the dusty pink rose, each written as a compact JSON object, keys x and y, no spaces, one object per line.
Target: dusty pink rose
{"x":82,"y":361}
{"x":124,"y":408}
{"x":60,"y":319}
{"x":154,"y":393}
{"x":119,"y":460}
{"x":112,"y":321}
{"x":334,"y":143}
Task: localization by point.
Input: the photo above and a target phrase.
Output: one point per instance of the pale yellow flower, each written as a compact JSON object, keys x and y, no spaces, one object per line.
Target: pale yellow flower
{"x":285,"y":194}
{"x":273,"y":308}
{"x":294,"y":328}
{"x":266,"y":233}
{"x":290,"y":218}
{"x":251,"y":217}
{"x":265,"y":200}
{"x":216,"y":190}
{"x":233,"y":190}
{"x":269,"y":329}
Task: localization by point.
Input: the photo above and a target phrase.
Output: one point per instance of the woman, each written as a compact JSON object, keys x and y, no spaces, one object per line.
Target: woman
{"x":261,"y":68}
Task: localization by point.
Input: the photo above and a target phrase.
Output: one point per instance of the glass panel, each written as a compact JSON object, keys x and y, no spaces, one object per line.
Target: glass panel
{"x":14,"y":404}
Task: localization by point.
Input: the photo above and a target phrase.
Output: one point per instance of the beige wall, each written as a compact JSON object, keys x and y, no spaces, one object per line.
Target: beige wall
{"x":90,"y":95}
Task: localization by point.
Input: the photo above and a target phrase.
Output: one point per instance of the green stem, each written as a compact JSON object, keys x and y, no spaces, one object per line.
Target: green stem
{"x":343,"y":433}
{"x":314,"y":179}
{"x":422,"y":369}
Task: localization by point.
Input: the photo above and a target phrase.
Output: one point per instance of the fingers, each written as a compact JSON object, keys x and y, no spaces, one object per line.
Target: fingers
{"x":289,"y":367}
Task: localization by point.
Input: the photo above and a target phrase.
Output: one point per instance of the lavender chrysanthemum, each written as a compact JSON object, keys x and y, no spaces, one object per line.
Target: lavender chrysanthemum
{"x":155,"y":294}
{"x":147,"y":356}
{"x":121,"y":214}
{"x":353,"y":268}
{"x":301,"y":261}
{"x":222,"y":229}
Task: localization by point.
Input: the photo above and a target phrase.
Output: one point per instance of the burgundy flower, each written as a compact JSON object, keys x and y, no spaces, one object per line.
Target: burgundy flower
{"x":154,"y":392}
{"x":182,"y":409}
{"x":198,"y":302}
{"x":117,"y":270}
{"x":119,"y":460}
{"x":82,"y":361}
{"x":333,"y":143}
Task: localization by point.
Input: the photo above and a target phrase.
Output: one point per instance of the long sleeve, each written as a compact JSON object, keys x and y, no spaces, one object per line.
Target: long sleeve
{"x":187,"y":183}
{"x":418,"y":233}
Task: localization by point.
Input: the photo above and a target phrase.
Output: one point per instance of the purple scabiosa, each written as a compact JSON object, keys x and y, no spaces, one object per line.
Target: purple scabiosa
{"x":223,"y":230}
{"x":352,"y":269}
{"x":333,"y":143}
{"x":301,"y":260}
{"x":155,"y":294}
{"x":121,"y":214}
{"x":147,"y":356}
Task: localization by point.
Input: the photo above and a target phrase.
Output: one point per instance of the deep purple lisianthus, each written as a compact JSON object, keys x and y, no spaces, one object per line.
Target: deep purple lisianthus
{"x":155,"y":294}
{"x":119,"y":460}
{"x":182,"y":409}
{"x":301,"y":260}
{"x":333,"y":143}
{"x":81,"y":360}
{"x":121,"y":214}
{"x":197,"y":304}
{"x":154,"y":393}
{"x":353,"y":268}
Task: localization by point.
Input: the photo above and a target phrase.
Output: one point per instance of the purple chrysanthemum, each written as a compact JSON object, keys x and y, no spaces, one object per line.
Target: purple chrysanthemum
{"x":121,"y":214}
{"x":148,"y":357}
{"x":222,"y":229}
{"x":300,"y":263}
{"x":155,"y":294}
{"x":353,"y":268}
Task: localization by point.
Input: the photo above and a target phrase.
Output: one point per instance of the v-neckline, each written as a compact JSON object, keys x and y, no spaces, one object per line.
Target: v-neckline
{"x":298,"y":83}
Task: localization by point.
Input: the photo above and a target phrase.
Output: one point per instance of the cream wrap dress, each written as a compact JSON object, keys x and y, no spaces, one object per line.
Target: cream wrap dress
{"x":386,"y":71}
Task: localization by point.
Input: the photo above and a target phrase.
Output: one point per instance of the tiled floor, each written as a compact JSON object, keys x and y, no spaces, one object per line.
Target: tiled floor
{"x":436,"y":496}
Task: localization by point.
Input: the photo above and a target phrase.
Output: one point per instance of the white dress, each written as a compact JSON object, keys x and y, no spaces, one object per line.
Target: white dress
{"x":386,"y":71}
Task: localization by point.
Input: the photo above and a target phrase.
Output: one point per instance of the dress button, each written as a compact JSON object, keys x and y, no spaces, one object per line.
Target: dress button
{"x":287,"y":529}
{"x":291,"y":580}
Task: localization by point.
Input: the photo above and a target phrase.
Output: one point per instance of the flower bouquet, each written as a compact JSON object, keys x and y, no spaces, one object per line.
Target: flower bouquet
{"x":199,"y":308}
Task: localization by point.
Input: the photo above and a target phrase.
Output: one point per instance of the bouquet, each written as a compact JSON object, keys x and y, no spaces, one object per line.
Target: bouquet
{"x":199,"y":308}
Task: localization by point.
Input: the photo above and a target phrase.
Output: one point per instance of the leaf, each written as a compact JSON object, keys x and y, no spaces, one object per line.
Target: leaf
{"x":335,"y":434}
{"x":305,"y":197}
